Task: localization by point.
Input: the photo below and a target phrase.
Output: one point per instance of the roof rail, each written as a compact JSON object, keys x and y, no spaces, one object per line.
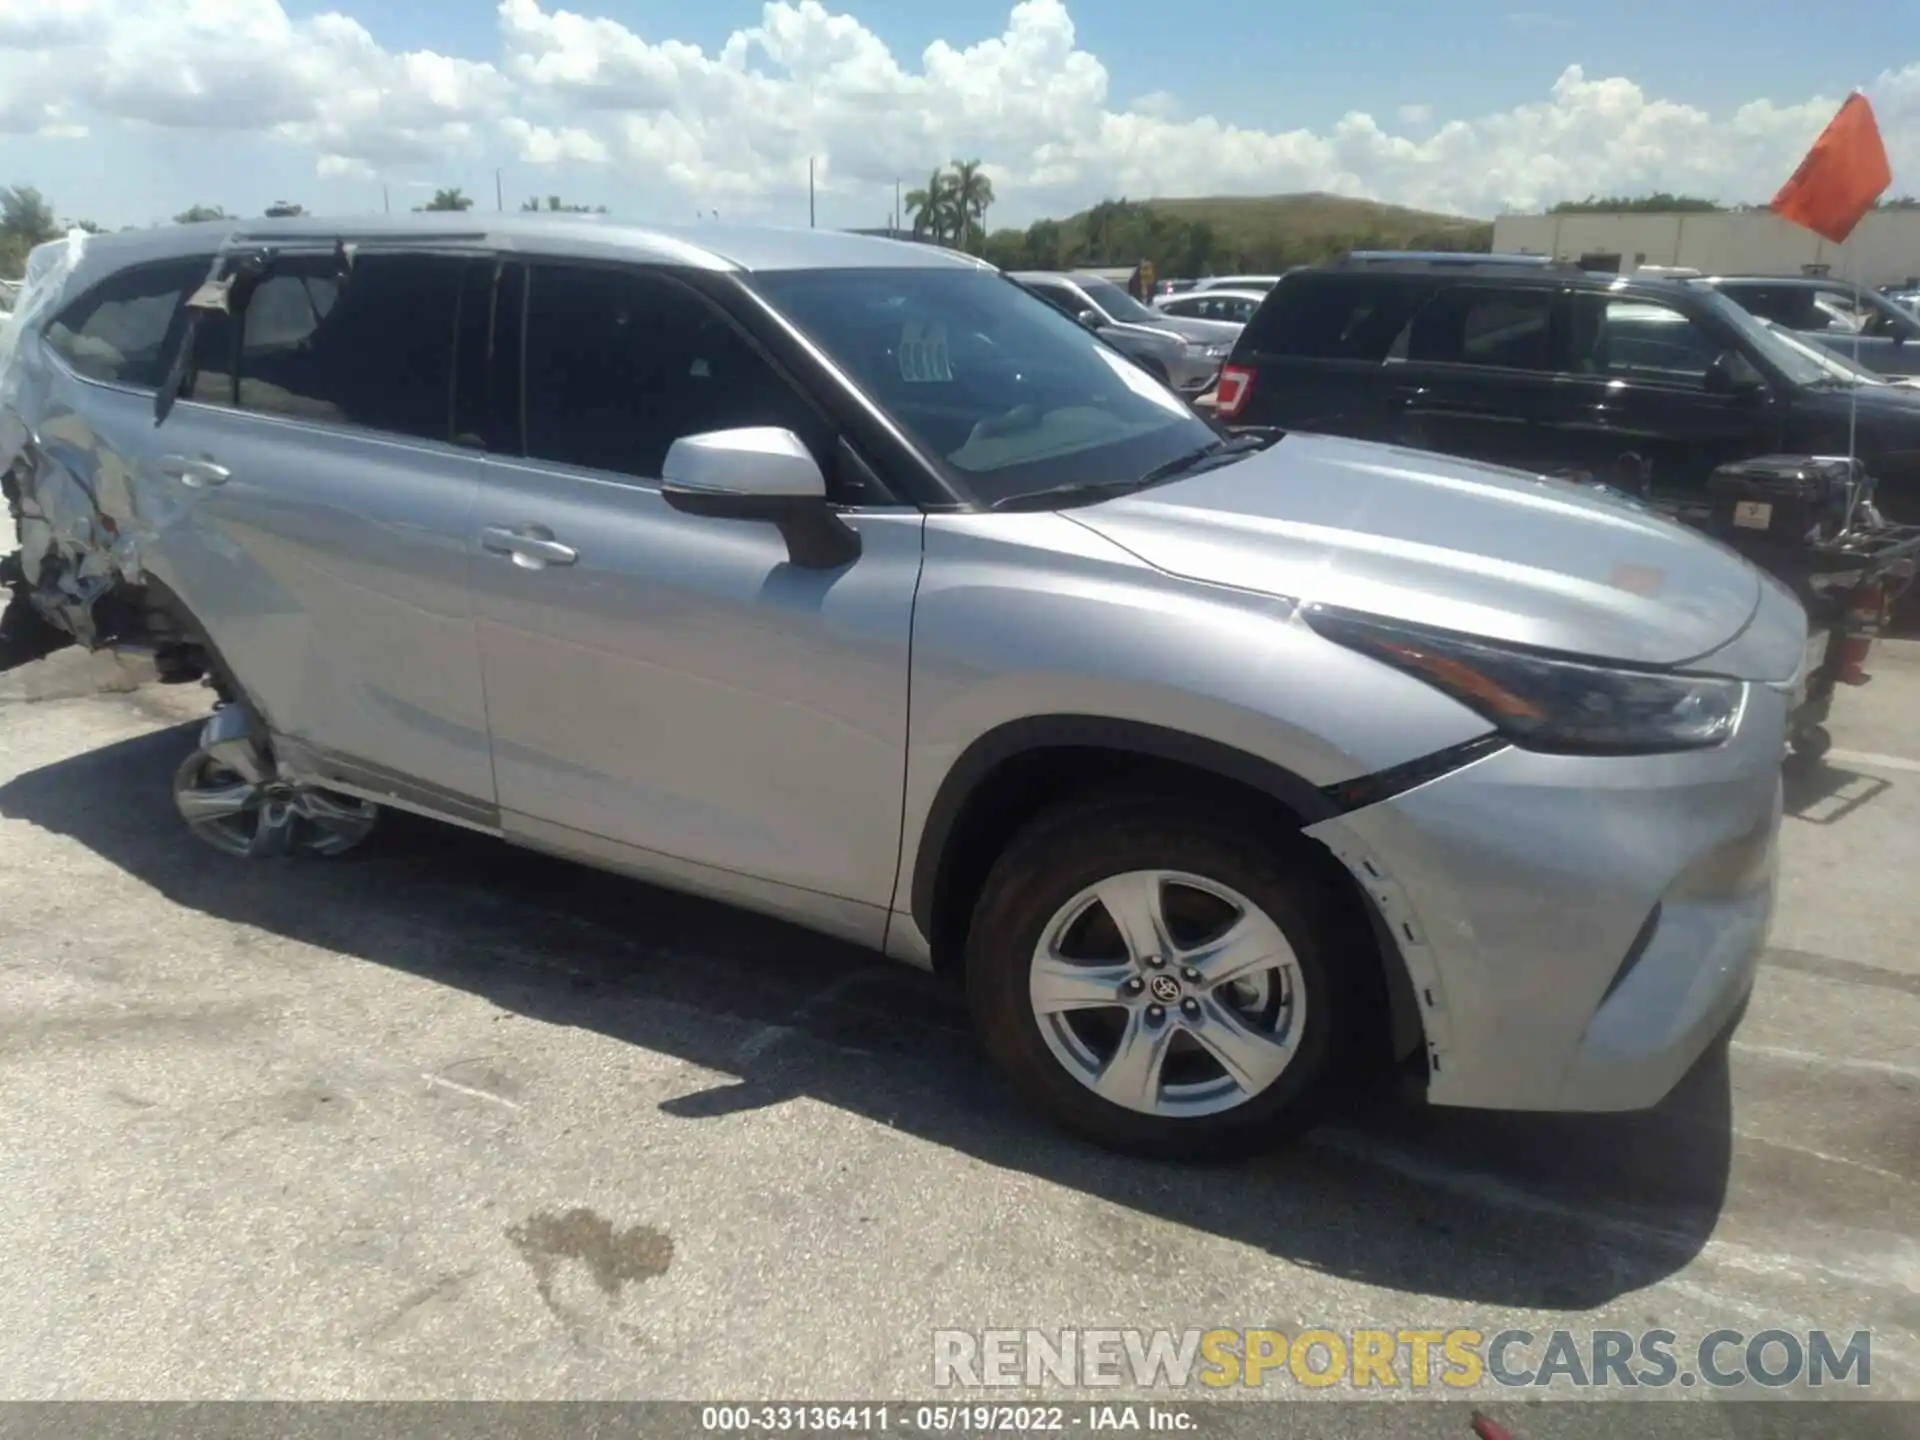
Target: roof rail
{"x":1448,"y":260}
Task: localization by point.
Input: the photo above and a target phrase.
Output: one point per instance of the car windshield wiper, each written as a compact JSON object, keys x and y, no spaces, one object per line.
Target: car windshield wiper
{"x":1087,"y":493}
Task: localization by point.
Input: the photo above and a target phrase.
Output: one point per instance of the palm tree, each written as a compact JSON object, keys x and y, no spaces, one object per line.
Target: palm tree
{"x":972,"y":193}
{"x":932,"y":208}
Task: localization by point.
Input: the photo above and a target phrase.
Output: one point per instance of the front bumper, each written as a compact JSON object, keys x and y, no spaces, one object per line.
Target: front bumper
{"x":1578,"y":929}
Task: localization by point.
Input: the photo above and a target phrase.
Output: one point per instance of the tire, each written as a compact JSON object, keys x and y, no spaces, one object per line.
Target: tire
{"x":1808,"y":749}
{"x":1122,"y":839}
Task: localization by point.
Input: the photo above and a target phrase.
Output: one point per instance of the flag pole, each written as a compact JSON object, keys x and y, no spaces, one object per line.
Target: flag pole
{"x":1853,"y":391}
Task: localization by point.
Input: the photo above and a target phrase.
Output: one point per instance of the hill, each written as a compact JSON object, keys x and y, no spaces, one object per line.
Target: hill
{"x":1219,"y":234}
{"x":1246,"y":221}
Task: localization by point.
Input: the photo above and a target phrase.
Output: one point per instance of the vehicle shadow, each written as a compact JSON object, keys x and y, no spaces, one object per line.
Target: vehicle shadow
{"x":1826,"y":793}
{"x":1537,"y":1211}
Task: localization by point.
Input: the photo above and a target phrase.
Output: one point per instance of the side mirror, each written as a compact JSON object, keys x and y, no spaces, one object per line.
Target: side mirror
{"x":760,"y":472}
{"x":1090,"y":318}
{"x":1733,"y":375}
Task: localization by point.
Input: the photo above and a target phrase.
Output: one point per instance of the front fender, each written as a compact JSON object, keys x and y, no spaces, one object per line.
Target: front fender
{"x":1029,"y":628}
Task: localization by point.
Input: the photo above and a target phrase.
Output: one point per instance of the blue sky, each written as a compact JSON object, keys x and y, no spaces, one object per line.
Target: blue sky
{"x":1269,"y":65}
{"x":124,"y":115}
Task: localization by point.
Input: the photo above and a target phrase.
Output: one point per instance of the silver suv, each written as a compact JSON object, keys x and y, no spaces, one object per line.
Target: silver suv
{"x":846,"y":581}
{"x":1182,"y":352}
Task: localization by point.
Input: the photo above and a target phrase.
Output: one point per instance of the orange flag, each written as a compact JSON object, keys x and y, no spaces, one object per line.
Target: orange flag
{"x":1843,"y":174}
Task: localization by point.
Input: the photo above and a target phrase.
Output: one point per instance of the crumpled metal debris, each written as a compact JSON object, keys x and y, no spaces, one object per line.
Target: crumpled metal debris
{"x":53,"y":515}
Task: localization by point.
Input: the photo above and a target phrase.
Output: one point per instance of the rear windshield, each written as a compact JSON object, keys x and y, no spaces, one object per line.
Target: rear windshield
{"x":1010,"y":395}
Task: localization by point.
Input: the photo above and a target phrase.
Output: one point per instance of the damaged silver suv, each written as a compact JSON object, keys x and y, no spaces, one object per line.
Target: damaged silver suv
{"x":846,"y":581}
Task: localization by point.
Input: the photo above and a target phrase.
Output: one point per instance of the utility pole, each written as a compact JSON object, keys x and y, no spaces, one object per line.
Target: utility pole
{"x":898,"y":218}
{"x":499,"y":194}
{"x":810,"y":192}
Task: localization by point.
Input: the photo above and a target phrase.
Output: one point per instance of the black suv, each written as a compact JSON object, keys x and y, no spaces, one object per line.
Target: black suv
{"x":1645,"y":384}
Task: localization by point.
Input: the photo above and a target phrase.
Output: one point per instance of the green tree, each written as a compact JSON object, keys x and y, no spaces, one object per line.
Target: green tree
{"x":194,"y":214}
{"x":26,"y":220}
{"x":454,"y":199}
{"x":1658,"y":203}
{"x":26,"y":216}
{"x":554,"y":206}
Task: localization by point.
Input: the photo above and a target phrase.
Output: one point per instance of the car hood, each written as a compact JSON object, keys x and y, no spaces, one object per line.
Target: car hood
{"x":1163,"y":333}
{"x":1207,"y":332}
{"x":1446,"y":543}
{"x":1895,"y":401}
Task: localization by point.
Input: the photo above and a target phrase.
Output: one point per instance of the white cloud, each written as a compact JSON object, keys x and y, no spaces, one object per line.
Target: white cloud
{"x":736,"y":125}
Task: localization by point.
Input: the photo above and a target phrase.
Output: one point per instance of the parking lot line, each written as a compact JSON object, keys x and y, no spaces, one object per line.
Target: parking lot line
{"x":1828,"y":1062}
{"x":1875,"y":762}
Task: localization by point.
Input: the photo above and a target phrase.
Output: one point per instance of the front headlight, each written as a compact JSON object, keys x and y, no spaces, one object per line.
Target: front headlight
{"x":1544,"y":702}
{"x":1217,"y":352}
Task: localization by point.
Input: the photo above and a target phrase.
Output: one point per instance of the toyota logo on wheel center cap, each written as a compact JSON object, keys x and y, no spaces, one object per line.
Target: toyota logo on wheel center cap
{"x":1164,"y":988}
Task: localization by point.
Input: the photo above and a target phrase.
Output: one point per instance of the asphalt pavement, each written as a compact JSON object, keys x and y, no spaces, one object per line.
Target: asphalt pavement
{"x":450,"y":1120}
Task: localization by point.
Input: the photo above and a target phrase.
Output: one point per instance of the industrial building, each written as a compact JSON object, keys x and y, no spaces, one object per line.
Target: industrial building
{"x":1885,"y":249}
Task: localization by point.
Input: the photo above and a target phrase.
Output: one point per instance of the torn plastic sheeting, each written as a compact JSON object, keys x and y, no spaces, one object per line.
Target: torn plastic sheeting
{"x":49,"y":267}
{"x":71,"y":552}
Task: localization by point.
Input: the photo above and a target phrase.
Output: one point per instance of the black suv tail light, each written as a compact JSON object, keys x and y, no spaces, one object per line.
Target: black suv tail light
{"x":1235,"y":385}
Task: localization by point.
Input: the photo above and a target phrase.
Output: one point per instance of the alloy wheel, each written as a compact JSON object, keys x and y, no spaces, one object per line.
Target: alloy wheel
{"x":254,"y":819}
{"x":1167,"y":993}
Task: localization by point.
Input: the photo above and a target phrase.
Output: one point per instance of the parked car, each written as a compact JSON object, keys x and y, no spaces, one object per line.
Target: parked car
{"x":838,"y":579}
{"x":1234,"y":307}
{"x":1836,"y":363}
{"x":1646,"y":383}
{"x":1261,"y":283}
{"x":1189,"y":365}
{"x":1833,"y":314}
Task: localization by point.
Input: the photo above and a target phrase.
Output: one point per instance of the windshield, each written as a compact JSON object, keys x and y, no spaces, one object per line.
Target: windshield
{"x":1875,"y":313}
{"x":1835,"y":365}
{"x":1009,"y":394}
{"x":1790,"y":360}
{"x":1118,"y":304}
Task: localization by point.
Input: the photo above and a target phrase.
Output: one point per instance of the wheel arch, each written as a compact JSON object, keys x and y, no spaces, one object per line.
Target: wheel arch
{"x":1012,"y":772}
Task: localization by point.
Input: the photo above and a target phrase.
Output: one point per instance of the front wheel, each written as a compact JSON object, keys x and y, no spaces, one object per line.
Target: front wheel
{"x":1154,"y":979}
{"x":258,"y":819}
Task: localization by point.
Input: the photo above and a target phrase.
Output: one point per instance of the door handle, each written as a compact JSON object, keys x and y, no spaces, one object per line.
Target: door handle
{"x":199,"y":474}
{"x":531,"y":547}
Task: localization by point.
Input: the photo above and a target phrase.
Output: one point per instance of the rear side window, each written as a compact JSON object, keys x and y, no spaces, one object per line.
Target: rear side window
{"x":1789,"y":305}
{"x":1333,"y":318}
{"x":119,"y":330}
{"x":371,"y":348}
{"x":1479,"y":325}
